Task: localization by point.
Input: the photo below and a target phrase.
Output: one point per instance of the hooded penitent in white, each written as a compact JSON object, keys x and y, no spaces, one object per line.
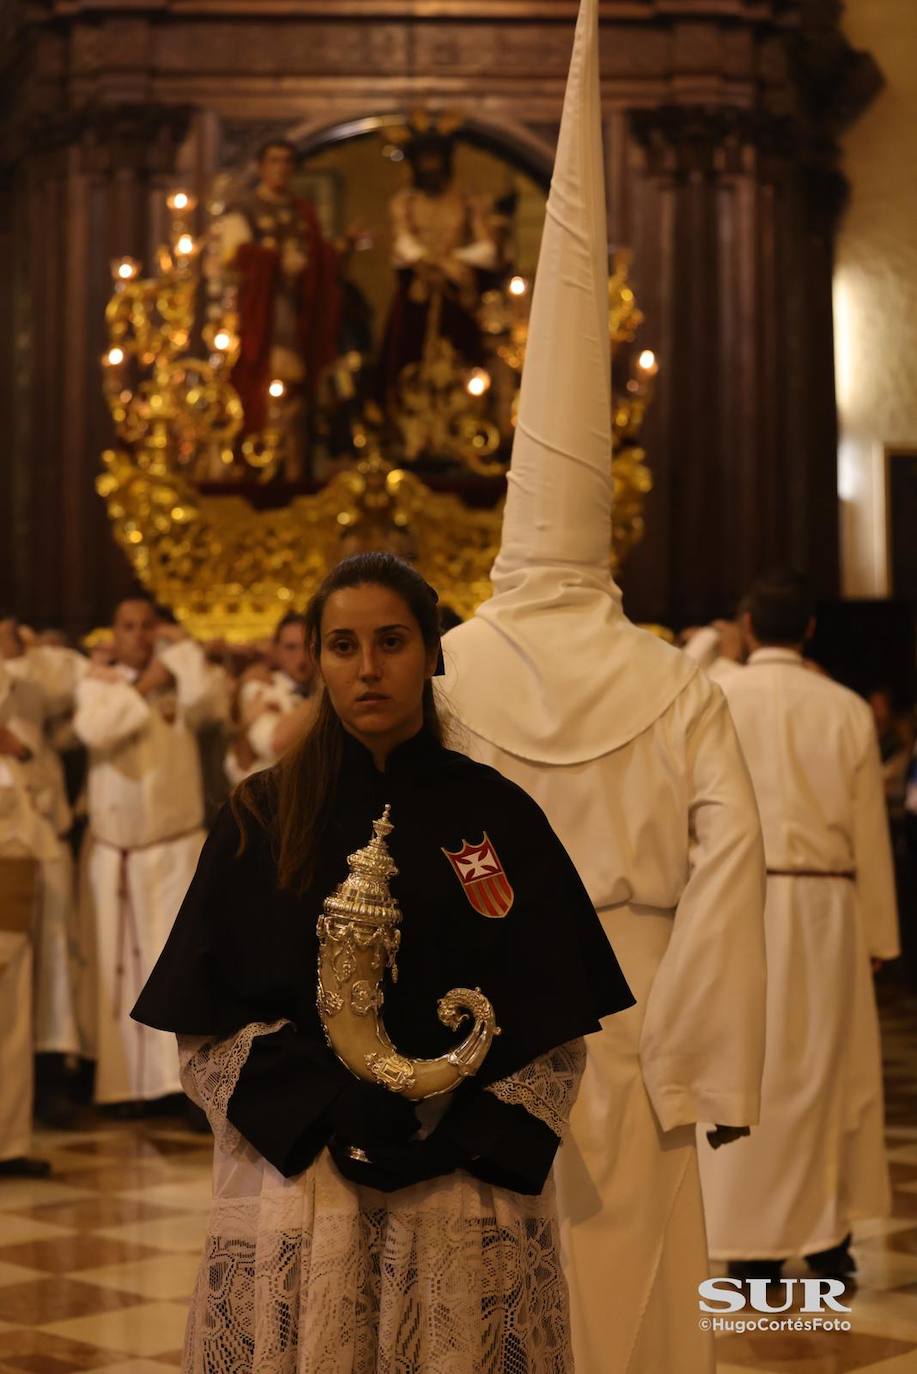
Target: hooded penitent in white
{"x":554,"y":635}
{"x":632,"y":754}
{"x":24,"y":834}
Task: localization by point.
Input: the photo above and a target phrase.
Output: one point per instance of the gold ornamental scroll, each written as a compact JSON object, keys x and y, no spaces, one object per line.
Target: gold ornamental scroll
{"x":359,"y":937}
{"x":229,"y":571}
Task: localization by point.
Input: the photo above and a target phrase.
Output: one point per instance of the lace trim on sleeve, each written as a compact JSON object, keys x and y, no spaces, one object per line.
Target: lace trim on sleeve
{"x":546,"y":1087}
{"x":210,"y":1070}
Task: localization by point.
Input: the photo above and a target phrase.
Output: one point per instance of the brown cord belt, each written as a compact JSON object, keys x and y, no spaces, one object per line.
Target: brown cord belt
{"x":848,"y":873}
{"x":126,"y":916}
{"x":127,"y":930}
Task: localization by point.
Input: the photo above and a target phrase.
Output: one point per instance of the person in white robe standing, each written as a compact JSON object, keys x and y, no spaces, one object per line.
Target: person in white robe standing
{"x":272,"y":702}
{"x":27,"y":841}
{"x":48,"y":677}
{"x":631,"y":753}
{"x":718,"y":649}
{"x":816,"y":1164}
{"x":146,"y":809}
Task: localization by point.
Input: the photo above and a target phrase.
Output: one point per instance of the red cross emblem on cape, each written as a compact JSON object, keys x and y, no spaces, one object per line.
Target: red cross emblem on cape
{"x":481,"y":874}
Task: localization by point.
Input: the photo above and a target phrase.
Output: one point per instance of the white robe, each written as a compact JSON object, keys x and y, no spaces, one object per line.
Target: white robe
{"x":145,"y":812}
{"x":48,"y":678}
{"x":24,"y":833}
{"x":54,"y":1028}
{"x":261,"y":706}
{"x":315,"y":1274}
{"x":55,"y":673}
{"x":632,"y":755}
{"x":704,"y":649}
{"x":816,"y":1163}
{"x":664,"y":833}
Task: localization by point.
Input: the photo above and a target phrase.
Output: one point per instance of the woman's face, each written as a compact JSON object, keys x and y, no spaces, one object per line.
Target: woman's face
{"x":374,"y":664}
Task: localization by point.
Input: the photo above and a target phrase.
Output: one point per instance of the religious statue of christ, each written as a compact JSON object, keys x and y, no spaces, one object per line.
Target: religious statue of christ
{"x":446,"y":247}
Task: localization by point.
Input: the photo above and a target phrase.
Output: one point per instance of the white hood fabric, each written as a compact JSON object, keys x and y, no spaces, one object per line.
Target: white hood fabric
{"x":550,"y":669}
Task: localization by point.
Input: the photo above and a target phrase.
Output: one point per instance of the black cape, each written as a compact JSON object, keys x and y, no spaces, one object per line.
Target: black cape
{"x":240,"y":951}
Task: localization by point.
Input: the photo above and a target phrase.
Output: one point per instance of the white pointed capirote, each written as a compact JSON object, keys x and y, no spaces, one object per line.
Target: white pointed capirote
{"x":558,"y":509}
{"x":550,"y":669}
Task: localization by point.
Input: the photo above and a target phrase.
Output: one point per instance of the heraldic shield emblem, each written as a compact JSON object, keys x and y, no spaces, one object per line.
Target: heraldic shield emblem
{"x":481,"y":874}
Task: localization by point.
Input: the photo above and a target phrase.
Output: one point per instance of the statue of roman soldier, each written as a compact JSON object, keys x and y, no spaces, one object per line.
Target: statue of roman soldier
{"x":288,"y":295}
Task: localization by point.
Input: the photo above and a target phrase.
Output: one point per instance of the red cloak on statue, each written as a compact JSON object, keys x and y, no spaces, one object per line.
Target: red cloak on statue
{"x":318,"y":315}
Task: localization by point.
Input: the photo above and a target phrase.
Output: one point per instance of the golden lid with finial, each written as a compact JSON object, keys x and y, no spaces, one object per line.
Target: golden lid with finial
{"x":363,"y":898}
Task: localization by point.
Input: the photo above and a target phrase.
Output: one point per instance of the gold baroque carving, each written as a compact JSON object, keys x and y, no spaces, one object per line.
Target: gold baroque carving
{"x":228,"y":569}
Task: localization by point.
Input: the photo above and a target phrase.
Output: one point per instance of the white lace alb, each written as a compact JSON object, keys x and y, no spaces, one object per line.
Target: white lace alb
{"x":314,"y":1275}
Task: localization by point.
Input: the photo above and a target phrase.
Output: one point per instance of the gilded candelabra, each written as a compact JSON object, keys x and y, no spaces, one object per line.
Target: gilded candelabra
{"x":440,"y":412}
{"x":175,"y":411}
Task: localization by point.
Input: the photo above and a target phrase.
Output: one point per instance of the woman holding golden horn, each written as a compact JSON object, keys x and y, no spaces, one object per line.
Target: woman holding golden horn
{"x":365,"y":916}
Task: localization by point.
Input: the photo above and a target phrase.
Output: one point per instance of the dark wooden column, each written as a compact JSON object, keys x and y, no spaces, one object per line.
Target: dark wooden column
{"x":742,"y":438}
{"x":8,"y":472}
{"x":88,"y":191}
{"x":126,"y":163}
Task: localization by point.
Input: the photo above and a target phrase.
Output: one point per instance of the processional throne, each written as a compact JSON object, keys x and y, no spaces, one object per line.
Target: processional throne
{"x":200,"y":502}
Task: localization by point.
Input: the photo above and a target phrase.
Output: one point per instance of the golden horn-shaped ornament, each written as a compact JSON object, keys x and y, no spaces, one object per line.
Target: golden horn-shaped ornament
{"x":358,"y":939}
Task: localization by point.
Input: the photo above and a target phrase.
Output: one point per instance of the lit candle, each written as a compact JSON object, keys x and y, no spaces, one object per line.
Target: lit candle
{"x":180,"y":202}
{"x":124,"y":269}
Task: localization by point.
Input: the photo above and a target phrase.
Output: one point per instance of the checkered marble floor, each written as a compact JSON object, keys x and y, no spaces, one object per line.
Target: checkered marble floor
{"x":97,"y":1263}
{"x":883,"y":1334}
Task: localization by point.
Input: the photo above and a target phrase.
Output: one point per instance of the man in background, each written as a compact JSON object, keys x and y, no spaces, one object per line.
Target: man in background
{"x":273,"y":703}
{"x":816,"y":1163}
{"x":27,"y":842}
{"x":47,"y":674}
{"x":137,"y":718}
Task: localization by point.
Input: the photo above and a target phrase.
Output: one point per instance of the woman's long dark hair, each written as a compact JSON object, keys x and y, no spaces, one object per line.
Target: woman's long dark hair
{"x":302,"y":784}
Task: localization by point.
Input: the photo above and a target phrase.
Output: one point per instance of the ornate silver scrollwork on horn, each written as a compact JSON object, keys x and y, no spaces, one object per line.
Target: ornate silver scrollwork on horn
{"x":359,"y":937}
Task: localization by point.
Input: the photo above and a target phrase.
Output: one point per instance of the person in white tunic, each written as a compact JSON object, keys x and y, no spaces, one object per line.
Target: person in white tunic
{"x":717,"y":649}
{"x":272,"y":703}
{"x":27,"y":843}
{"x":816,"y":1164}
{"x":48,"y":677}
{"x":631,"y":753}
{"x":145,"y":813}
